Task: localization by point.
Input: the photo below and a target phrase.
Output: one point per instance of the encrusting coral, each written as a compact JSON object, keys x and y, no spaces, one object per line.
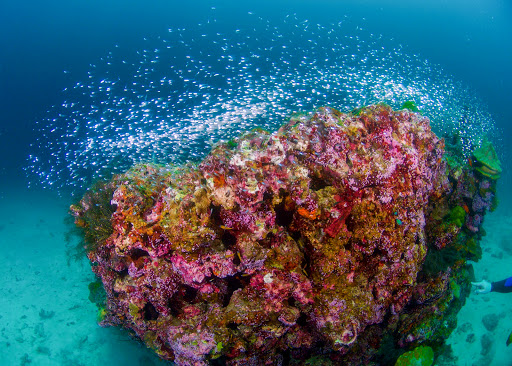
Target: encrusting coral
{"x":308,"y":243}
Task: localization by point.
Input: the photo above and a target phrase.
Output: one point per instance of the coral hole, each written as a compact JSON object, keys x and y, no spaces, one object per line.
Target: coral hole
{"x":283,"y":217}
{"x":234,"y":283}
{"x":137,"y":254}
{"x":150,"y":312}
{"x":317,"y":183}
{"x":228,"y":239}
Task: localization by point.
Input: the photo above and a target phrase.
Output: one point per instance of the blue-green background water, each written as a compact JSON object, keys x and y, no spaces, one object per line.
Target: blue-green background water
{"x":46,"y":48}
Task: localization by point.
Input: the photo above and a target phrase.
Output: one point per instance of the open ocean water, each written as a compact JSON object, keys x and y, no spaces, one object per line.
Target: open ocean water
{"x":88,"y":88}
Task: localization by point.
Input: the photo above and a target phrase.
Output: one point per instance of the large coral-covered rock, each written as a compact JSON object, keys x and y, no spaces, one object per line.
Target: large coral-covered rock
{"x":301,"y":243}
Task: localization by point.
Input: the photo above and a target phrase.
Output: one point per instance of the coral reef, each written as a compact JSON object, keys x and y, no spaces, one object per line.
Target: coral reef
{"x":342,"y":237}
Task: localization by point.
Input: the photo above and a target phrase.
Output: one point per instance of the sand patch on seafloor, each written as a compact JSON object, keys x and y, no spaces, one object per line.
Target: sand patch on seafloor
{"x":47,"y":319}
{"x":472,"y":342}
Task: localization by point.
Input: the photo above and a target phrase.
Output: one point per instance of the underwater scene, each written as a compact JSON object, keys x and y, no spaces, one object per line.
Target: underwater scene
{"x":256,"y":183}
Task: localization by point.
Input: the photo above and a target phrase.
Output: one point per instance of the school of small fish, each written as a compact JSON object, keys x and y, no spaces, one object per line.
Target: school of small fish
{"x":192,"y":87}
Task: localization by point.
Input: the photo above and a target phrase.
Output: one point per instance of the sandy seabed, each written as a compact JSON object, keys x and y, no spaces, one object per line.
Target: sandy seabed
{"x":47,"y":319}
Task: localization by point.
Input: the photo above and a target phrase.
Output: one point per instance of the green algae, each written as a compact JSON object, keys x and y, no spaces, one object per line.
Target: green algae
{"x":410,"y":105}
{"x":217,"y":351}
{"x":494,"y":203}
{"x":101,"y":314}
{"x":474,"y":250}
{"x":439,"y":260}
{"x":486,"y":160}
{"x":97,"y":294}
{"x":134,"y":310}
{"x":420,"y":356}
{"x":357,"y":111}
{"x":232,"y":144}
{"x":455,"y":288}
{"x":457,"y":216}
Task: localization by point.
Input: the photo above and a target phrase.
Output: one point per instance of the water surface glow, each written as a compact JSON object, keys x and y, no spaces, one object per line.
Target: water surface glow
{"x":170,"y":101}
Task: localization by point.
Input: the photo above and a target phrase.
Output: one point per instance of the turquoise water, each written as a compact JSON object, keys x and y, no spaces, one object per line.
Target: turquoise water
{"x":88,"y":89}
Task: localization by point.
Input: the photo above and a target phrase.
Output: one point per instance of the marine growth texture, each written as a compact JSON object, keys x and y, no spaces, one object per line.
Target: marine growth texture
{"x":278,"y":248}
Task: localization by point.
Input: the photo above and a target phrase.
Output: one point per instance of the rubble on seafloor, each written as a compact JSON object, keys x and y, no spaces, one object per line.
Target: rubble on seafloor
{"x":342,"y":238}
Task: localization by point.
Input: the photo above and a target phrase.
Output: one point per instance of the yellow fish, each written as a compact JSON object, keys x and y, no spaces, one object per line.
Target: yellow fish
{"x":509,"y":340}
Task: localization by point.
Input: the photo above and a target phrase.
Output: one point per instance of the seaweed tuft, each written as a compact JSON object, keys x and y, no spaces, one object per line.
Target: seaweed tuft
{"x":92,"y":218}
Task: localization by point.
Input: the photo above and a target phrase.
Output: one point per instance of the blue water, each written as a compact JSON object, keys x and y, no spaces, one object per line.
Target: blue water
{"x":39,"y":43}
{"x":57,"y":59}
